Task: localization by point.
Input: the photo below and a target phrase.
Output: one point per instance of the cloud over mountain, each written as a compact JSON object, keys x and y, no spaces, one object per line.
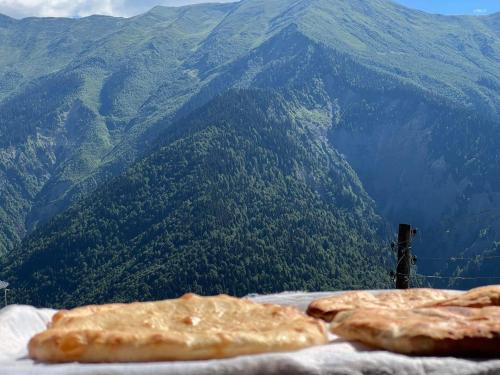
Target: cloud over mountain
{"x":82,"y":8}
{"x":480,"y":11}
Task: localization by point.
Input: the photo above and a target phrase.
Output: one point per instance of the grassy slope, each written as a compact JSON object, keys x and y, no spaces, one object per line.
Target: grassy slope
{"x":116,"y":72}
{"x":455,"y":56}
{"x":138,"y":71}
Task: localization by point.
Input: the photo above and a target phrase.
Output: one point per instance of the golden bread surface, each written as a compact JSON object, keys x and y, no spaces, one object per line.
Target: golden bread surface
{"x":327,"y":308}
{"x":478,"y":297}
{"x":424,"y":331}
{"x":410,"y":298}
{"x":187,"y":328}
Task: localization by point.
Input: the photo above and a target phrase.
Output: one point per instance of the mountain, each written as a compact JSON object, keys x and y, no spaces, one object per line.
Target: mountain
{"x":128,"y":74}
{"x":409,"y":100}
{"x":243,"y":196}
{"x":436,"y":167}
{"x":79,"y":86}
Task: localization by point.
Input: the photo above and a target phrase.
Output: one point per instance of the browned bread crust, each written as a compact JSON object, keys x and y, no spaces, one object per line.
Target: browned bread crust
{"x":478,"y":297}
{"x":424,"y":331}
{"x":327,"y":308}
{"x":188,"y":328}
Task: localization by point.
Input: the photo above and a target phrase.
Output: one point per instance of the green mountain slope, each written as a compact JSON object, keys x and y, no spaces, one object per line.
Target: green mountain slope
{"x":139,"y":70}
{"x":243,"y":197}
{"x":411,"y":101}
{"x":62,"y":122}
{"x":422,"y":158}
{"x":454,"y":56}
{"x":436,"y":167}
{"x":33,"y":48}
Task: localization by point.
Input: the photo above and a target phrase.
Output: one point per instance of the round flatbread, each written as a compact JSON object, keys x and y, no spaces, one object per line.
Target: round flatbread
{"x":424,"y":331}
{"x":327,"y":308}
{"x":478,"y":297}
{"x":188,"y":328}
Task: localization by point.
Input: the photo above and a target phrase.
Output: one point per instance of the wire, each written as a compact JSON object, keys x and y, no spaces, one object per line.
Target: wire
{"x":462,"y":277}
{"x":453,"y":259}
{"x":415,"y":277}
{"x":453,"y":277}
{"x":399,"y":262}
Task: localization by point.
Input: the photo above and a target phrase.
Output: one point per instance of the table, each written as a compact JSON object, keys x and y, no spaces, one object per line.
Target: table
{"x":19,"y":323}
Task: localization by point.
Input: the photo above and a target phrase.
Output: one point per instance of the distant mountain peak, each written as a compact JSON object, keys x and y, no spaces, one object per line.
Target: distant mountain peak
{"x":166,"y":8}
{"x":82,"y":99}
{"x":6,"y":19}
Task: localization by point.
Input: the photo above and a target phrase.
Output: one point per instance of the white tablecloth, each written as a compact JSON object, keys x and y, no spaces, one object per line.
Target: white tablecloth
{"x":19,"y":323}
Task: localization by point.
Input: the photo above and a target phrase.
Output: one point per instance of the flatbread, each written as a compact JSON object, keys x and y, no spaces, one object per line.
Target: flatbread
{"x":410,"y":298}
{"x":188,"y":328}
{"x":478,"y":297}
{"x":424,"y":331}
{"x":327,"y":308}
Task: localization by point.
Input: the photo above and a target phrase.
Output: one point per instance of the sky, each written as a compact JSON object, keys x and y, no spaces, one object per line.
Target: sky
{"x":82,"y":8}
{"x":127,"y":8}
{"x":470,"y":7}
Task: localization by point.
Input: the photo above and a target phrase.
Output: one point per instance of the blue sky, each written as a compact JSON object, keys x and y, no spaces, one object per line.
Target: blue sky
{"x":126,"y":8}
{"x":471,"y":7}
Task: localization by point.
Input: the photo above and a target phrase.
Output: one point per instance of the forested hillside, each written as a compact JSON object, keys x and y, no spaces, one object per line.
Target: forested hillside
{"x":393,"y":112}
{"x":243,"y":196}
{"x":75,"y":102}
{"x":127,"y":74}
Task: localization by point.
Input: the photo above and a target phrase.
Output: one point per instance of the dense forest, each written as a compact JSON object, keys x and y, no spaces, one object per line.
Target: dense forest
{"x":244,"y":147}
{"x":241,"y":197}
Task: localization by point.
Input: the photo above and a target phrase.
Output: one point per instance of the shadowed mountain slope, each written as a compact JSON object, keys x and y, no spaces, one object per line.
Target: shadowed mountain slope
{"x":242,"y":197}
{"x":410,"y":100}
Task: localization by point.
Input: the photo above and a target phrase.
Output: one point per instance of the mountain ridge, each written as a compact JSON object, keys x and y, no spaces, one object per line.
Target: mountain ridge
{"x":358,"y":66}
{"x":241,"y":171}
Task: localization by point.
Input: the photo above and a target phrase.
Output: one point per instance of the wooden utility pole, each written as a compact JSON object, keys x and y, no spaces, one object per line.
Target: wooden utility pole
{"x":404,"y":257}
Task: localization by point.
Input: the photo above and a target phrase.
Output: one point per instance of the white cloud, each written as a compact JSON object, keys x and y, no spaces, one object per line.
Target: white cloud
{"x":480,"y":11}
{"x":82,"y":8}
{"x":56,"y":8}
